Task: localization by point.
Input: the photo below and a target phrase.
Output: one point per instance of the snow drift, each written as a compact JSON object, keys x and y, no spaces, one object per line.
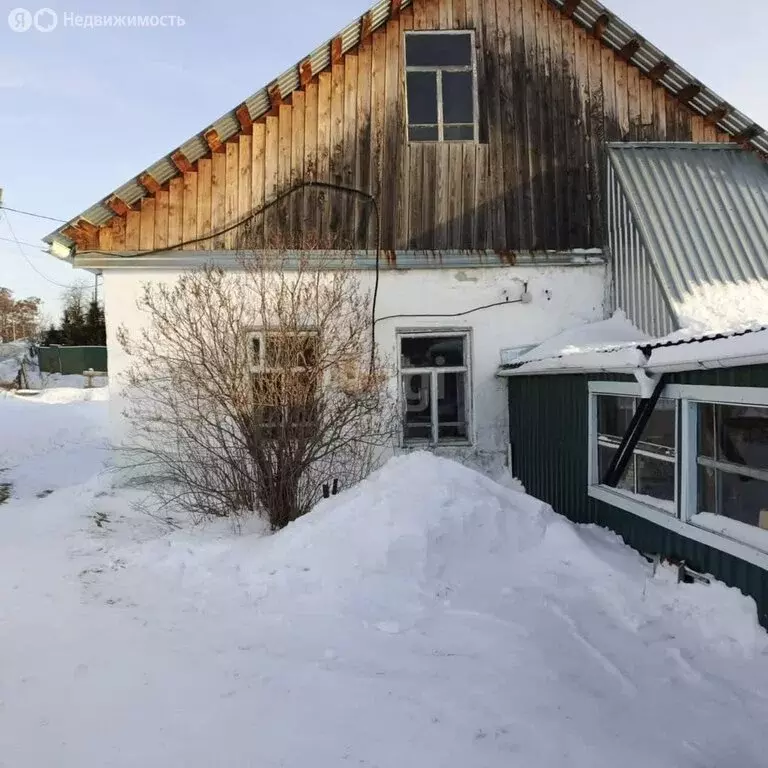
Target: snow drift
{"x":426,"y":617}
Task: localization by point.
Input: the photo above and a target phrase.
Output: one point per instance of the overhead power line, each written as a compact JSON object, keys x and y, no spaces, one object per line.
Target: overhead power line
{"x":26,"y":258}
{"x":34,"y":215}
{"x":24,"y":242}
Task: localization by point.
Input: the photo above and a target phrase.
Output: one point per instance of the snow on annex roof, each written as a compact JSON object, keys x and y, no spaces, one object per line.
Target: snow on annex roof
{"x":616,"y":346}
{"x":590,"y":14}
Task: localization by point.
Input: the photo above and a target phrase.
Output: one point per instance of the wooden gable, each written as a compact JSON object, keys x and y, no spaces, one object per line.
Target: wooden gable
{"x":550,"y":95}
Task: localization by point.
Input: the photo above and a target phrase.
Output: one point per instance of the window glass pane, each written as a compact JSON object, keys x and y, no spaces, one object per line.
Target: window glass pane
{"x":706,"y":429}
{"x":458,"y":102}
{"x":418,"y":413}
{"x":451,"y":406}
{"x":659,"y":433}
{"x":605,"y":455}
{"x":290,"y":350}
{"x":614,"y":415}
{"x":459,"y":132}
{"x":655,"y":478}
{"x":438,"y":49}
{"x":255,"y":350}
{"x":742,"y":435}
{"x":431,"y":351}
{"x":422,"y":97}
{"x":734,"y":496}
{"x":422,"y":133}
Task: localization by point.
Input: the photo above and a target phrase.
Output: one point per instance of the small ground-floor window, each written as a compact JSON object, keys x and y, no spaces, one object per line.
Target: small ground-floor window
{"x":701,"y":463}
{"x":434,"y":375}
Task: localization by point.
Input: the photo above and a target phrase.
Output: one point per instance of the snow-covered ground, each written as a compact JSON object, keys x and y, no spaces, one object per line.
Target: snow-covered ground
{"x":429,"y":617}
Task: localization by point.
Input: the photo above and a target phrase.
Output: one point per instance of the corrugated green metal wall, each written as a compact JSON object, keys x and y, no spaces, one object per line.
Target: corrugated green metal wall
{"x":548,"y":419}
{"x":72,"y":359}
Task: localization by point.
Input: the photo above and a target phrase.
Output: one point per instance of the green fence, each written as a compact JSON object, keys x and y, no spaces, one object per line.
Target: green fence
{"x":72,"y":359}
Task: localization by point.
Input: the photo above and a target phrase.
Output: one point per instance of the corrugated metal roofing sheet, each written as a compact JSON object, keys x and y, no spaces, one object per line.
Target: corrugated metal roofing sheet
{"x":616,"y":35}
{"x":698,"y":339}
{"x":702,"y":211}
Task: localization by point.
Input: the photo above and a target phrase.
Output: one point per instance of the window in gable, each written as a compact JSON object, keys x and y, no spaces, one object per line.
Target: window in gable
{"x":441,"y":86}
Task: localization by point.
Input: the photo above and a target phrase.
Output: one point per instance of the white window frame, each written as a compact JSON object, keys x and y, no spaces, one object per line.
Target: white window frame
{"x":259,"y":367}
{"x":432,"y":371}
{"x":262,"y":335}
{"x":471,"y":67}
{"x":622,"y":496}
{"x":746,"y":545}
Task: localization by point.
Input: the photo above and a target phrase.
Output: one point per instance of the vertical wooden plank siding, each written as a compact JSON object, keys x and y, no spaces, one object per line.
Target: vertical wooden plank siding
{"x":284,"y":168}
{"x":394,"y":132}
{"x":175,"y":210}
{"x":118,"y":233}
{"x":257,"y":183}
{"x":323,"y":148}
{"x":132,"y":230}
{"x":189,"y":220}
{"x":550,"y":95}
{"x":271,"y":158}
{"x":231,"y":192}
{"x":363,"y":211}
{"x":161,"y":219}
{"x":297,"y":161}
{"x":147,"y":236}
{"x":203,"y":227}
{"x":378,"y":109}
{"x":245,"y":156}
{"x":218,"y":185}
{"x":310,"y":213}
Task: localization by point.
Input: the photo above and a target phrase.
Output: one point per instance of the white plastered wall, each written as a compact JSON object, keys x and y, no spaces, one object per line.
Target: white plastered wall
{"x":561,"y":297}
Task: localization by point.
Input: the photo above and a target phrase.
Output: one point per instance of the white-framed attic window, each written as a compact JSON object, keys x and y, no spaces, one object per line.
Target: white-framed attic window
{"x":709,"y":483}
{"x":441,"y":86}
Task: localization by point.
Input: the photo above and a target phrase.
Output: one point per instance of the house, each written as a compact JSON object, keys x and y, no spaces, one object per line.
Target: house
{"x":665,"y":440}
{"x":480,"y":129}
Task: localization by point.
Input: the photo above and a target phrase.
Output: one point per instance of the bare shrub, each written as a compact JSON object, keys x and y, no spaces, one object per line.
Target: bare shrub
{"x":250,"y":390}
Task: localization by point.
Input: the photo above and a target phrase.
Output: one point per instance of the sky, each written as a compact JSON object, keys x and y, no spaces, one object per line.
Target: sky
{"x":82,"y":110}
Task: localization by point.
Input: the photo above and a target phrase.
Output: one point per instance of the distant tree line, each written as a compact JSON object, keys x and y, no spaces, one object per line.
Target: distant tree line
{"x":19,"y":318}
{"x":82,"y":321}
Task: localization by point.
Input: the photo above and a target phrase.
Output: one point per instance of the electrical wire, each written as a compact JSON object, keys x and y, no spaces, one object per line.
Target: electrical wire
{"x":451,"y":314}
{"x":24,"y":255}
{"x":271,"y":204}
{"x":34,"y":215}
{"x":24,"y":242}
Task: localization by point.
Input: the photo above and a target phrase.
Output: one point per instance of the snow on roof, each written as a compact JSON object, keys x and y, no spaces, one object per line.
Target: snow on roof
{"x":609,"y":346}
{"x":616,"y":331}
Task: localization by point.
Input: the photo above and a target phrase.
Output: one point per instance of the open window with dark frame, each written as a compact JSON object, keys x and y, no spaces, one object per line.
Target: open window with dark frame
{"x":434,"y":374}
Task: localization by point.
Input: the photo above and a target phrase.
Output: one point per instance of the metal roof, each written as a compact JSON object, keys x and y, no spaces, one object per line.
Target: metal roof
{"x":592,"y":15}
{"x":585,"y":361}
{"x":647,"y":347}
{"x":702,"y":214}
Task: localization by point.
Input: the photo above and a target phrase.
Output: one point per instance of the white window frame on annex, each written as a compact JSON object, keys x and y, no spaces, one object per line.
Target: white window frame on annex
{"x":434,"y":442}
{"x":439,"y":69}
{"x":750,"y":543}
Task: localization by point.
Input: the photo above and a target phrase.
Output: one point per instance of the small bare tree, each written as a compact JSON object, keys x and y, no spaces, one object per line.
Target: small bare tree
{"x":256,"y":390}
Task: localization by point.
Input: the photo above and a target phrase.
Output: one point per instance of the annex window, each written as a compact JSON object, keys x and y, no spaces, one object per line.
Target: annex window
{"x":651,"y":471}
{"x":441,"y":86}
{"x":732,"y":466}
{"x":283,"y":375}
{"x":434,"y":372}
{"x":700,"y":468}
